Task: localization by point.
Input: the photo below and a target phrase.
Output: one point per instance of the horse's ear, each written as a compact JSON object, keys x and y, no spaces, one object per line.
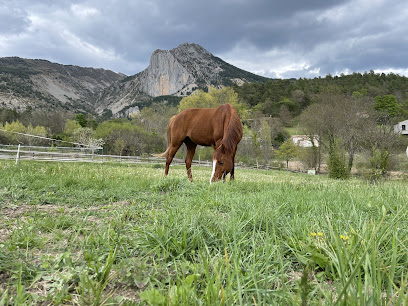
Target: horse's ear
{"x":222,"y":149}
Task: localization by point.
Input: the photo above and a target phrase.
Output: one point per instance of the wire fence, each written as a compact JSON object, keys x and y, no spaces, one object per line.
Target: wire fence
{"x":74,"y":154}
{"x":80,"y":152}
{"x":71,"y":154}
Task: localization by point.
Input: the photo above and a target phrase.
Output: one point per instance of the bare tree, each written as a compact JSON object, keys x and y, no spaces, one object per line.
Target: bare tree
{"x":336,"y":117}
{"x":285,"y":115}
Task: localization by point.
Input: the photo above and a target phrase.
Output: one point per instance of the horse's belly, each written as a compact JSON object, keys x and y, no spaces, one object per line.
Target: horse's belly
{"x":202,"y":141}
{"x":202,"y":136}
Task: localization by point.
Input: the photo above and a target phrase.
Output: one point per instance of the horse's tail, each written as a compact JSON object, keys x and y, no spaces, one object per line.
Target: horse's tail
{"x":164,"y":154}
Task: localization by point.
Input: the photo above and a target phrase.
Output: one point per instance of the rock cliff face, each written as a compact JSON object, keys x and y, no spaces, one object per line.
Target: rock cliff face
{"x":120,"y":96}
{"x":164,"y":76}
{"x":179,"y":71}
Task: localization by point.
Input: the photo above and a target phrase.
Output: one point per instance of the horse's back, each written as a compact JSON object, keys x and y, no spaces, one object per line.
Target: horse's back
{"x":204,"y":126}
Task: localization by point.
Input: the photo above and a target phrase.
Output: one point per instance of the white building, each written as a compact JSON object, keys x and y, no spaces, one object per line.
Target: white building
{"x":401,"y":127}
{"x":304,"y":141}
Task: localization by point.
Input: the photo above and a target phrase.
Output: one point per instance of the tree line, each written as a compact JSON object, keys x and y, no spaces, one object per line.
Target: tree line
{"x":347,"y":115}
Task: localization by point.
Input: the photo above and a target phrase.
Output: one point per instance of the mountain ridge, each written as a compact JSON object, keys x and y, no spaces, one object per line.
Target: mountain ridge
{"x":41,"y":84}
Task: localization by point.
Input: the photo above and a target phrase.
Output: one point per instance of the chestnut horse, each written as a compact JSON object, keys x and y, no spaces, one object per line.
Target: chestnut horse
{"x":218,"y":127}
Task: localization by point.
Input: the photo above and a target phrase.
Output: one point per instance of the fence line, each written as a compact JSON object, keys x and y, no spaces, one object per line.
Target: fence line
{"x":52,"y":139}
{"x":34,"y":153}
{"x":50,"y":149}
{"x":24,"y":154}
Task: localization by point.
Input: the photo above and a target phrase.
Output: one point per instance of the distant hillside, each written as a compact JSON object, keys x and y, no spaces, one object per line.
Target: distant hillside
{"x":296,"y":95}
{"x":45,"y":85}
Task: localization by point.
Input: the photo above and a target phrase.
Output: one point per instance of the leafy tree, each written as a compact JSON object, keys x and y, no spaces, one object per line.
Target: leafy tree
{"x":291,"y":105}
{"x":71,"y":126}
{"x":137,"y":140}
{"x":379,"y":163}
{"x":214,"y":98}
{"x":387,"y":107}
{"x":81,"y":119}
{"x":106,"y":115}
{"x":15,"y":127}
{"x":37,"y":131}
{"x":287,"y":151}
{"x":298,"y":96}
{"x":8,"y":115}
{"x":200,"y":99}
{"x":92,"y":122}
{"x":383,"y":141}
{"x":337,"y":164}
{"x":119,"y":145}
{"x":4,"y":137}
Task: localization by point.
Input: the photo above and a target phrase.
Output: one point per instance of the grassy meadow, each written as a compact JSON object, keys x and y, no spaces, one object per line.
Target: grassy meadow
{"x":120,"y":234}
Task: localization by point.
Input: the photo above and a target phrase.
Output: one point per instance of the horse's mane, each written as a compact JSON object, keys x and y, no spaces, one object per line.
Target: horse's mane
{"x":233,"y":134}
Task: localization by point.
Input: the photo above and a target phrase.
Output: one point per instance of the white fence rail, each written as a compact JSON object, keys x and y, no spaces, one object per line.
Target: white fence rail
{"x":62,"y":154}
{"x":72,"y":154}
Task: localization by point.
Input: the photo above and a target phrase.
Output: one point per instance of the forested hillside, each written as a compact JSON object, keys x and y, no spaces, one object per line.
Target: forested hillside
{"x":298,"y":94}
{"x":348,"y":114}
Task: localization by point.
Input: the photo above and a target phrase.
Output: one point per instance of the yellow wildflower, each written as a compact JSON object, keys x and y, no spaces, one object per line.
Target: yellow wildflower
{"x":320,"y":234}
{"x":313,"y":234}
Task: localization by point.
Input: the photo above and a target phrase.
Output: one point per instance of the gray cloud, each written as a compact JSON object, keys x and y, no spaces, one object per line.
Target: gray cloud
{"x":272,"y":38}
{"x":13,"y":20}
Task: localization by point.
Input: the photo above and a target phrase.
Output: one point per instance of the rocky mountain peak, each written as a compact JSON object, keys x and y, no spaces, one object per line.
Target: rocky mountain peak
{"x":179,"y":72}
{"x":190,"y":50}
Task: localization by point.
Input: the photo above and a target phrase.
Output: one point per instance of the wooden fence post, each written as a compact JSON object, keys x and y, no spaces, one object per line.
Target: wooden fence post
{"x":18,"y":154}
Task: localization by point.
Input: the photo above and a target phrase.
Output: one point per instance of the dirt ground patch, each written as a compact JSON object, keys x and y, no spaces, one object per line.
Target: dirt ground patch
{"x":16,"y":211}
{"x":10,"y":213}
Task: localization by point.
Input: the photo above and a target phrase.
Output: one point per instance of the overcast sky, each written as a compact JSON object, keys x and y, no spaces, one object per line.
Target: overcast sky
{"x":285,"y":39}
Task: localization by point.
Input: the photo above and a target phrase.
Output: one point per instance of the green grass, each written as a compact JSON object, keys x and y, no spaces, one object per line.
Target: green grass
{"x":93,"y":234}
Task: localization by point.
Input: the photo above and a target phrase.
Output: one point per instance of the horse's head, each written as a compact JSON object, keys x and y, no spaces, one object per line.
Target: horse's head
{"x":223,"y":163}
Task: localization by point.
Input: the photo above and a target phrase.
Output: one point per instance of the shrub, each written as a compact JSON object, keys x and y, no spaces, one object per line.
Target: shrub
{"x":337,"y":163}
{"x":378,"y":163}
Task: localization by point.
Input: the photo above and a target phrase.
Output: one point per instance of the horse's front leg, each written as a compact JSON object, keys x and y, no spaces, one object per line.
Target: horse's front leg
{"x":232,"y":173}
{"x":191,"y":147}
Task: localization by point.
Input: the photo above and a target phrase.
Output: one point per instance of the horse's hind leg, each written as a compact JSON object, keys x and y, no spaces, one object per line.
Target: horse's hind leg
{"x":191,"y":147}
{"x":172,"y":151}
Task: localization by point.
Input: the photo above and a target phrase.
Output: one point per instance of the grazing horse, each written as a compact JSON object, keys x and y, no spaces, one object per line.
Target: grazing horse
{"x":218,"y":127}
